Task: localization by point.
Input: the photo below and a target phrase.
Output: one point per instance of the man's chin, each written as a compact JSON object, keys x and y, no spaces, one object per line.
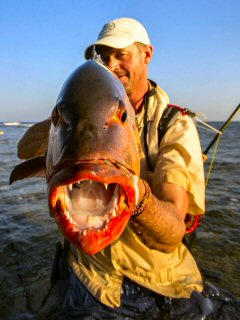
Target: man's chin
{"x":126,"y":85}
{"x":123,"y":79}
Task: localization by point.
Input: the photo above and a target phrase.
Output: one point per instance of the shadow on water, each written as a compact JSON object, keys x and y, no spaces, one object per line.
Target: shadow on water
{"x":29,"y":236}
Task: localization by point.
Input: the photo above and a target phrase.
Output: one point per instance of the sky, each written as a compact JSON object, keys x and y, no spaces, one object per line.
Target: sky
{"x":196,"y":51}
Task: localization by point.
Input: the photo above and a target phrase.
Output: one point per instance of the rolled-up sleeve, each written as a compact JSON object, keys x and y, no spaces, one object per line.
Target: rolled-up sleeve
{"x":180,"y":162}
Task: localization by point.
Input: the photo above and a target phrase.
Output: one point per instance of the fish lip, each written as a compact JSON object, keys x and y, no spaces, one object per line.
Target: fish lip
{"x":67,"y":165}
{"x":97,"y":172}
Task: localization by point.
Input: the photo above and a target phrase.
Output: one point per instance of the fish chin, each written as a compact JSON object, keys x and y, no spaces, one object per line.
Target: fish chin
{"x":90,"y":214}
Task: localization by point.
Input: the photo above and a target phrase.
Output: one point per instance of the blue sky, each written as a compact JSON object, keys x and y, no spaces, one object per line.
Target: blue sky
{"x":196,"y":59}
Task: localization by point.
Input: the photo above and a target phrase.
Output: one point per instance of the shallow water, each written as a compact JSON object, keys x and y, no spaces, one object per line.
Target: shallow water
{"x":217,"y":247}
{"x":28,"y":235}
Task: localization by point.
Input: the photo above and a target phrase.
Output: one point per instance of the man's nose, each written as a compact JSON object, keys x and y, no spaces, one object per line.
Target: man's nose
{"x":113,"y":63}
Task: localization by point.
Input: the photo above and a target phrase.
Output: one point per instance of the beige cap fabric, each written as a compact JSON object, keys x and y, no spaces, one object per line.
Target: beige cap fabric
{"x":120,"y":33}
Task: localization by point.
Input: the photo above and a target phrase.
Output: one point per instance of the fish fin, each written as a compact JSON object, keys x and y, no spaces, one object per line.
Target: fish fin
{"x":35,"y":140}
{"x":27,"y":169}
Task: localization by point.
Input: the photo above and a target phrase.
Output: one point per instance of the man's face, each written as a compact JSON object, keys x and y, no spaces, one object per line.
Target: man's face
{"x":128,"y":64}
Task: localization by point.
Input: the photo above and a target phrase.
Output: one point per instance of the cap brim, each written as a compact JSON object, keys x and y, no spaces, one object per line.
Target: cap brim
{"x":111,"y":41}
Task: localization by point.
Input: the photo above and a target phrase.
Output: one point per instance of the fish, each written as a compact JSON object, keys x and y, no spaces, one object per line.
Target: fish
{"x":92,"y":160}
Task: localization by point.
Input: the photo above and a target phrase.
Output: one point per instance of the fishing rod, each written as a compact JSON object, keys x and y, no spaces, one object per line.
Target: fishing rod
{"x":221,"y":130}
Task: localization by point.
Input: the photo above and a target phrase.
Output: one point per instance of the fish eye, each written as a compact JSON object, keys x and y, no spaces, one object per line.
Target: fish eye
{"x":123,"y":115}
{"x":55,"y":116}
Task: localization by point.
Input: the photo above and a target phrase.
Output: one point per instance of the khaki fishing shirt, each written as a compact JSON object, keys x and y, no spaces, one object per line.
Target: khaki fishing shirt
{"x":178,"y":160}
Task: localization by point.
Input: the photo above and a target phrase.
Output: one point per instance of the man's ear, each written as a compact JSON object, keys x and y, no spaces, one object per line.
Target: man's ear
{"x":148,"y":51}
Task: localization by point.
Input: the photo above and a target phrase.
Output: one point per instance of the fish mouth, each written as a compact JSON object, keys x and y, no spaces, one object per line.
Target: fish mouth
{"x":92,"y":203}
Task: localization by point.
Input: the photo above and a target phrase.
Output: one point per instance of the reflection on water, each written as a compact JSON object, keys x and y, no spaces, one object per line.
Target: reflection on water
{"x":29,"y":235}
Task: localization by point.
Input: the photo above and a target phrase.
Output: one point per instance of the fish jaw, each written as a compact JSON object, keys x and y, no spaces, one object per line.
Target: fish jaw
{"x":93,"y":241}
{"x":92,"y":203}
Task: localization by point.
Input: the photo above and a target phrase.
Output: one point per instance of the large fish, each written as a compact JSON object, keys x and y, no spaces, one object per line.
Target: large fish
{"x":92,"y":161}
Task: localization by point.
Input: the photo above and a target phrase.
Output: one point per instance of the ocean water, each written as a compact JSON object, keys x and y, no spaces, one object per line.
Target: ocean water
{"x":29,"y":236}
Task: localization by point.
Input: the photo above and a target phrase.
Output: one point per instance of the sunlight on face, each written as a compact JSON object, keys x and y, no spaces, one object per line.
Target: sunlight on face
{"x":127,"y":63}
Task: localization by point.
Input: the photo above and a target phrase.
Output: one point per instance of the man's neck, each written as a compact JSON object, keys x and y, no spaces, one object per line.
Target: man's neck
{"x":137,"y":100}
{"x":138,"y":104}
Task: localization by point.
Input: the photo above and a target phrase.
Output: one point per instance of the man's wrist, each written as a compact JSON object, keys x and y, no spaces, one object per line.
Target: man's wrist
{"x":145,"y":197}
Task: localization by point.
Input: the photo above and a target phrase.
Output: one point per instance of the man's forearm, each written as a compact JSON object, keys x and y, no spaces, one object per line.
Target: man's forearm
{"x":159,"y":225}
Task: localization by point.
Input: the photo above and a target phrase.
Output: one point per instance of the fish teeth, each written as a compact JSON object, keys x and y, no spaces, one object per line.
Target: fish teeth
{"x":66,"y":213}
{"x":114,"y":213}
{"x":70,"y":187}
{"x":84,"y":232}
{"x":75,"y":229}
{"x":106,"y":186}
{"x":135,"y":178}
{"x":90,"y":181}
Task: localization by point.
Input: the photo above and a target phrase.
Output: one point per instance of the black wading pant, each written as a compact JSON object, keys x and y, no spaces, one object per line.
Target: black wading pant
{"x":139,"y":303}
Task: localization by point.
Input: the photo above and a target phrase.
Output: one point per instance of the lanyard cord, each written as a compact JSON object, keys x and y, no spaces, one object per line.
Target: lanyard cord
{"x":145,"y":121}
{"x":217,"y":137}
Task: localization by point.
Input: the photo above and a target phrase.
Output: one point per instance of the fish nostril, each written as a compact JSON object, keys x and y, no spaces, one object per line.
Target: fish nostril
{"x":106,"y":125}
{"x":69,"y":129}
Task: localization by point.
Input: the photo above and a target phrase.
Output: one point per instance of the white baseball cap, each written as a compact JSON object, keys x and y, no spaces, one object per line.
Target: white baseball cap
{"x":120,"y":33}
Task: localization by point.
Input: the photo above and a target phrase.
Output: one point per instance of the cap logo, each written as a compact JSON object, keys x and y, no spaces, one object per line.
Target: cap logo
{"x":106,"y":28}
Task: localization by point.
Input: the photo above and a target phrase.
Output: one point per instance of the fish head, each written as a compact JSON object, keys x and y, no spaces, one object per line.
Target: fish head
{"x":93,"y":158}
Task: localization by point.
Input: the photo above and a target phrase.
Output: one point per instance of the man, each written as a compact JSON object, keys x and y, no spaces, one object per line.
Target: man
{"x":125,"y":48}
{"x":149,"y":261}
{"x":131,"y":277}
